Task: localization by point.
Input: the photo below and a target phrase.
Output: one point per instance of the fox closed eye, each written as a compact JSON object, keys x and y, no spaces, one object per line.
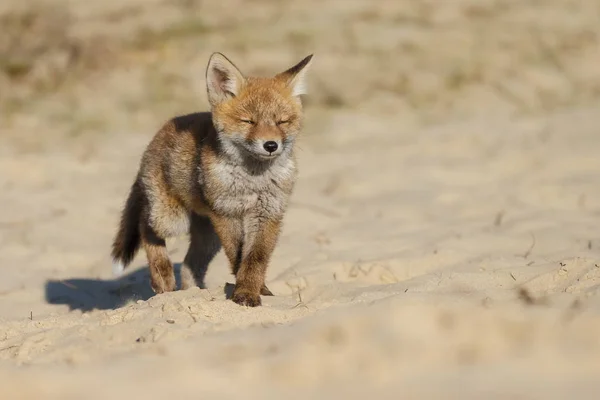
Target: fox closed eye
{"x":247,"y":121}
{"x":283,"y":122}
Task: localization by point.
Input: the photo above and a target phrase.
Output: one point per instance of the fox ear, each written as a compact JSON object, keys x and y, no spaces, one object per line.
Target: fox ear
{"x":223,"y":79}
{"x":295,"y":77}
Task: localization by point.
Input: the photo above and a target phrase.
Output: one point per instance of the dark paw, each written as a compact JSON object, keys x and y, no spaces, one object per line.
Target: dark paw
{"x":246,"y":299}
{"x":264,"y":291}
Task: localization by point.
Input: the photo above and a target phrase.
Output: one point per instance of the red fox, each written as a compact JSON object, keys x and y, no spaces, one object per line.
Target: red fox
{"x":223,"y":176}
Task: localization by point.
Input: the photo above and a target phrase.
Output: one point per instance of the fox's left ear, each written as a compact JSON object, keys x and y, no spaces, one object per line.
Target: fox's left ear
{"x":295,"y":77}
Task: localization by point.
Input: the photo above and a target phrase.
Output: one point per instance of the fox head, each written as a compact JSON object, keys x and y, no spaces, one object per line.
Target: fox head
{"x":255,"y":116}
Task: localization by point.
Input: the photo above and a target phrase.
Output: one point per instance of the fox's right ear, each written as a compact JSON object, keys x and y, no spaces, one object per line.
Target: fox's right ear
{"x":223,"y":79}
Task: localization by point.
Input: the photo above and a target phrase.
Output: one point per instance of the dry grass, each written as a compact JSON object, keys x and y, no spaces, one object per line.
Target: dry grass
{"x":39,"y":54}
{"x":428,"y":60}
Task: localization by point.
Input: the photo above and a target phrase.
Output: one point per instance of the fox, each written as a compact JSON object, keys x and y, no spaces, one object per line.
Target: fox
{"x":224,"y":177}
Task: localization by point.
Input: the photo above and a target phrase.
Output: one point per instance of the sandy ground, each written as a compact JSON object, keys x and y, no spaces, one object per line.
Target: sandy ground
{"x":442,"y":241}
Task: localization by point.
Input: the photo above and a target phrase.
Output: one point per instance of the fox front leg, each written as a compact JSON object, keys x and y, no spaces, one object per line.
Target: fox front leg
{"x":248,"y":247}
{"x":260,"y":239}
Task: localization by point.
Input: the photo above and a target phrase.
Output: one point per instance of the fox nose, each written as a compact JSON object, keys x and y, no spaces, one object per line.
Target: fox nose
{"x":270,"y":146}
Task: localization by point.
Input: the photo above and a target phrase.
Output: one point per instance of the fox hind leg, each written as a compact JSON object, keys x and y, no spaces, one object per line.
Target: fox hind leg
{"x":162,"y":276}
{"x":204,"y":245}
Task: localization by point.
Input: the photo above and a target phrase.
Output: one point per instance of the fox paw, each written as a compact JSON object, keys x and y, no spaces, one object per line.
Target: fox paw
{"x":246,"y":299}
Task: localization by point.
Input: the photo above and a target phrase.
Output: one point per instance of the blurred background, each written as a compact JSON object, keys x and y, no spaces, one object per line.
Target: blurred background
{"x":74,"y":69}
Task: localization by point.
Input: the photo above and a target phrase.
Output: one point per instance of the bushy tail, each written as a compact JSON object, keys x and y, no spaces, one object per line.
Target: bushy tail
{"x":127,"y":240}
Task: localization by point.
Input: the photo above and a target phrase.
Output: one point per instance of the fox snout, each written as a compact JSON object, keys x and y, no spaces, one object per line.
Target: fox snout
{"x":266,"y":141}
{"x":266,"y":148}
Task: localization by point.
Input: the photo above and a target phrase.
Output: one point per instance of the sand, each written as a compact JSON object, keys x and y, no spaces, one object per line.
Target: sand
{"x":437,"y":250}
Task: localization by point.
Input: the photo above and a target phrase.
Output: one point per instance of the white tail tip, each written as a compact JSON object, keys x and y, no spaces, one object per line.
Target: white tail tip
{"x":118,"y":268}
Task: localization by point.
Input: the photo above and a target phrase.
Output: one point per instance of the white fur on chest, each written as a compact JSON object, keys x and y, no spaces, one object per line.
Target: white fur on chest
{"x":241,"y":193}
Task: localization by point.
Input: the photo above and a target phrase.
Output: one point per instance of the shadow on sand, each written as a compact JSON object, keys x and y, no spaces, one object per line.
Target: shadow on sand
{"x":89,"y":294}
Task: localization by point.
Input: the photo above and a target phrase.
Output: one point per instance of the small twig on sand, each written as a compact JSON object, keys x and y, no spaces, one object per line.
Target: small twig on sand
{"x":188,"y":310}
{"x":300,"y":301}
{"x":300,"y":305}
{"x":528,"y":252}
{"x":69,"y":285}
